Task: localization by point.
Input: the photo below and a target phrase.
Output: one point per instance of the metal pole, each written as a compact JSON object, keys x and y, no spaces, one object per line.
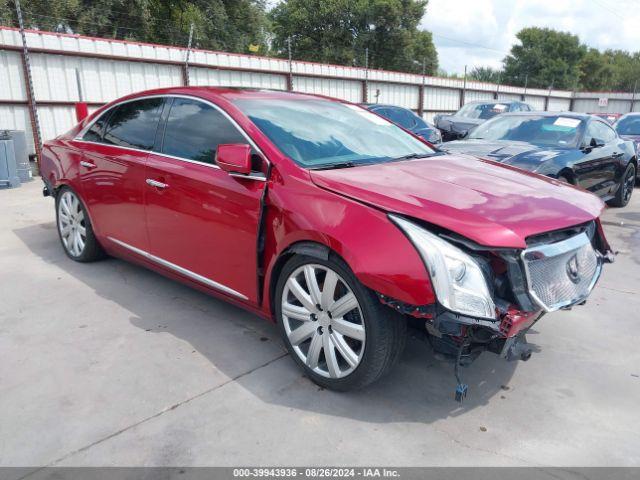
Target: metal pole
{"x":79,"y":84}
{"x":464,"y":88}
{"x":33,"y":108}
{"x":187,"y":79}
{"x":290,"y":79}
{"x":547,"y":98}
{"x":421,"y":99}
{"x":365,"y":93}
{"x":633,"y":97}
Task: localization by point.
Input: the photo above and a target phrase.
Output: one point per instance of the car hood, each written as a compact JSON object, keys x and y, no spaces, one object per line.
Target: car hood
{"x":491,"y":204}
{"x":518,"y":154}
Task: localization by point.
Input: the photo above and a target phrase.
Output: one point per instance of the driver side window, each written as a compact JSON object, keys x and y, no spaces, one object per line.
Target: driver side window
{"x":600,"y":132}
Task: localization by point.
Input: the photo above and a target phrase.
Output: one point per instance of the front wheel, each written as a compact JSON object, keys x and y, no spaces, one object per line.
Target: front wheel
{"x":335,"y":328}
{"x":625,"y":189}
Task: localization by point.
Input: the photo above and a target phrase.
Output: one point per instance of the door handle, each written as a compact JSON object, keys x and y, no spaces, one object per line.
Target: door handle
{"x":617,"y":155}
{"x":87,"y":164}
{"x":157,"y":184}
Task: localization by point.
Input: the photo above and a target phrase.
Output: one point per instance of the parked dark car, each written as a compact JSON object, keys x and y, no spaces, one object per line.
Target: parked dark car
{"x":577,"y":148}
{"x":473,"y":114}
{"x":408,"y":120}
{"x":628,"y":127}
{"x":328,"y":220}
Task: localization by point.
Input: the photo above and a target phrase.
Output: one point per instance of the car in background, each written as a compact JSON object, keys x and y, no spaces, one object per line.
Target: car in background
{"x":608,"y":117}
{"x":408,"y":120}
{"x":327,"y":219}
{"x":473,"y":114}
{"x":579,"y":149}
{"x":628,"y":127}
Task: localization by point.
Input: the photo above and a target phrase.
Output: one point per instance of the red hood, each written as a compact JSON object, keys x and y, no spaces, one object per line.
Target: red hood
{"x":489,"y":203}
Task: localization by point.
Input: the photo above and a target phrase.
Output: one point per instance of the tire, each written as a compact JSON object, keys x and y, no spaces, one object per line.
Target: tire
{"x":625,"y":188}
{"x":74,"y":228}
{"x":373,"y":332}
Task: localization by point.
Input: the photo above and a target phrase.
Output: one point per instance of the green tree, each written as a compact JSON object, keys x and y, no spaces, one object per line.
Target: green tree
{"x":546,"y":57}
{"x":219,"y":24}
{"x":340,"y":31}
{"x":486,"y":74}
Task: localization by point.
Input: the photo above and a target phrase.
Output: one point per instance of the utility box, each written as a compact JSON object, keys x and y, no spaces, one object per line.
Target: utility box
{"x":23,"y":165}
{"x":8,"y":170}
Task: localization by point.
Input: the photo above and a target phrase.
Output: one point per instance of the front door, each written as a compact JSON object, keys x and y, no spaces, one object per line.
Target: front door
{"x":112,"y":169}
{"x":201,"y":221}
{"x":596,"y":168}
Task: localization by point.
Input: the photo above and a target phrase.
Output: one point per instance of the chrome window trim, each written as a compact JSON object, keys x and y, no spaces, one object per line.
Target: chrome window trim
{"x":177,"y":268}
{"x":552,"y":250}
{"x":78,"y":138}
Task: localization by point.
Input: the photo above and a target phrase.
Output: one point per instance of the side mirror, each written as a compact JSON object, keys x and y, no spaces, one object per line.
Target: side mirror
{"x":234,"y":158}
{"x":596,"y":143}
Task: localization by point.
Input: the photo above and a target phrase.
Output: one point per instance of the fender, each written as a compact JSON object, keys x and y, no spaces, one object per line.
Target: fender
{"x":309,"y":220}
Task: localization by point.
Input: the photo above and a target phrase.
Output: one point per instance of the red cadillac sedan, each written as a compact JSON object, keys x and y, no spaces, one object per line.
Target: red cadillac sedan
{"x":326,"y":219}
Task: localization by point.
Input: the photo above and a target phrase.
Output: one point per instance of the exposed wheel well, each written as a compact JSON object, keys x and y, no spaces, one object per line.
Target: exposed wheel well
{"x":311,"y":249}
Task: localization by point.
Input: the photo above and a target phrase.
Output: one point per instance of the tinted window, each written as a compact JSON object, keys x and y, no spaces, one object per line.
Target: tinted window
{"x":629,"y":125}
{"x":194,"y":130}
{"x":599,"y":131}
{"x":404,"y":118}
{"x":134,"y":124}
{"x":94,"y":134}
{"x":482,"y":111}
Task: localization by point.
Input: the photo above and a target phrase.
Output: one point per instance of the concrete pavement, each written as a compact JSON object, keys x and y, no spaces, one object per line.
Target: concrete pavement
{"x":110,"y":364}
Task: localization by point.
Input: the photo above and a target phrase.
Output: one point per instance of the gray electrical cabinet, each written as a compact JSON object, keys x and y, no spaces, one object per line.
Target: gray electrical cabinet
{"x":8,"y":169}
{"x":22,"y":155}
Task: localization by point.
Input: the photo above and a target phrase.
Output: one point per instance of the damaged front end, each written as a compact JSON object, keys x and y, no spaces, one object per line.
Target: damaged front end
{"x":506,"y":292}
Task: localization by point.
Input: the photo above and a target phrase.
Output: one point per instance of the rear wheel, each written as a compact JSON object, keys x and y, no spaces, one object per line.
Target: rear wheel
{"x":625,"y":189}
{"x":336,"y":329}
{"x":74,"y":228}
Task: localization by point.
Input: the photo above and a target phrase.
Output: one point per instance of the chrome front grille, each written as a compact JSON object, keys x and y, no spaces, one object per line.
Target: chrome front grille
{"x":562,"y":273}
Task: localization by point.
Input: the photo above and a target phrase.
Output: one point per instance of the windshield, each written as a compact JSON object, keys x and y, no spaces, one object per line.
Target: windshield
{"x":482,"y":111}
{"x":554,"y":131}
{"x":629,"y":125}
{"x":320,"y":133}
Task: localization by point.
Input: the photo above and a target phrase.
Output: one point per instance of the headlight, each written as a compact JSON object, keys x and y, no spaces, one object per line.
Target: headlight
{"x":435,"y":136}
{"x":456,"y":277}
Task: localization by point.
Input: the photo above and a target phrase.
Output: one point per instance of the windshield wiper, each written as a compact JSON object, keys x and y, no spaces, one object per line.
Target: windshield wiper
{"x":412,"y":156}
{"x":332,"y":166}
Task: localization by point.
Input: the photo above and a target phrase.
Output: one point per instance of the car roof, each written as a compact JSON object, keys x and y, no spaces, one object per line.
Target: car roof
{"x":382,"y":105}
{"x":489,"y":102}
{"x":581,"y":116}
{"x":230,"y":93}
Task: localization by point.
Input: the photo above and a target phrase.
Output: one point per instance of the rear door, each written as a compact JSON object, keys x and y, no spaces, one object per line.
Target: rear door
{"x":202,"y":222}
{"x":596,"y":169}
{"x":115,"y":151}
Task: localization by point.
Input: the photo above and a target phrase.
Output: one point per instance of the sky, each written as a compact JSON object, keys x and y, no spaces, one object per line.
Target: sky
{"x":481,"y":32}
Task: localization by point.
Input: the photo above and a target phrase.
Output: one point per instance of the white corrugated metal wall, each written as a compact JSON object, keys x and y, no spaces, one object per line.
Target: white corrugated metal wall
{"x":109,"y":69}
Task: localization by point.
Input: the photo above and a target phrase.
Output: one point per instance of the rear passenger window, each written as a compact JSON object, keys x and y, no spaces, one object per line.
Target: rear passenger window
{"x":194,"y":129}
{"x":134,"y":124}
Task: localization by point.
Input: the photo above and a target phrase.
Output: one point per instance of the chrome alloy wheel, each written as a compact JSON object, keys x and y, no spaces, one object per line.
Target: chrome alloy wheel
{"x":71,"y":223}
{"x":323,"y":321}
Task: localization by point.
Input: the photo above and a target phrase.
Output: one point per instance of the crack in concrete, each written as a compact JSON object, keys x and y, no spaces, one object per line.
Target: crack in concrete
{"x":619,"y":291}
{"x":155,"y":415}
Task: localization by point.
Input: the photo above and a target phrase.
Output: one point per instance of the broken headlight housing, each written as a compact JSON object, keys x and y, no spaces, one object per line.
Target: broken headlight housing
{"x":457,"y":279}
